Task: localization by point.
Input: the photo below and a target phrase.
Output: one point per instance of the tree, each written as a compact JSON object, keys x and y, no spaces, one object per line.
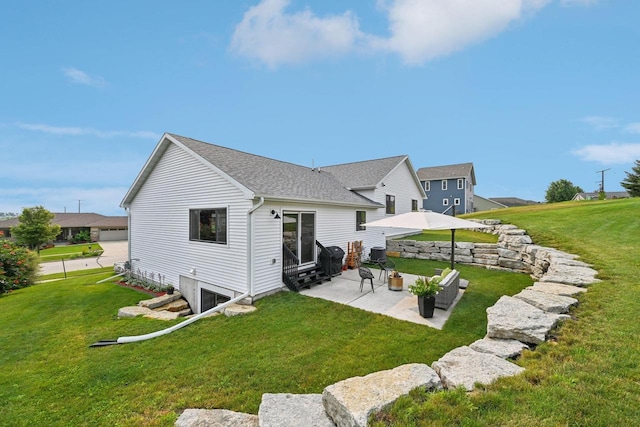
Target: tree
{"x":561,"y":191}
{"x":632,"y":182}
{"x":35,"y":228}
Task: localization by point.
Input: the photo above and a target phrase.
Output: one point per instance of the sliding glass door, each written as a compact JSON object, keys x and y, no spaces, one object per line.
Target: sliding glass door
{"x":299,"y":235}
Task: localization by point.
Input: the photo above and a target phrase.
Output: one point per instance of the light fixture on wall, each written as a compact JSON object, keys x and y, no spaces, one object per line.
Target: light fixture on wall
{"x":192,"y":271}
{"x":275,"y":214}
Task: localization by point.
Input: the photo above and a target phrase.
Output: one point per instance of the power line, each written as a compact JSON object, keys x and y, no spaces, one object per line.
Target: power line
{"x":602,"y":180}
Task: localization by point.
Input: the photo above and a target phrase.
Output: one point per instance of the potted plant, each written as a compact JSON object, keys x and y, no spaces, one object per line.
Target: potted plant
{"x":426,"y":290}
{"x":170,"y":289}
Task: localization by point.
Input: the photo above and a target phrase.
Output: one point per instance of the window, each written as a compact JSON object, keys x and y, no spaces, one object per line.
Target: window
{"x":456,"y":201}
{"x":391,"y":204}
{"x":445,"y":202}
{"x":210,"y":299}
{"x":427,"y":186}
{"x":361,"y":218}
{"x":444,"y":184}
{"x":414,"y":205}
{"x":208,"y":225}
{"x":460,"y":183}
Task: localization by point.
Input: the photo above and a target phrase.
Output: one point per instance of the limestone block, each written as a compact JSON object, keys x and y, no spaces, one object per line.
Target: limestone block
{"x":133,"y":311}
{"x":350,"y":402}
{"x":465,"y":245}
{"x":293,"y":410}
{"x":547,"y":302}
{"x":505,"y":349}
{"x":163,"y":315}
{"x":485,"y":261}
{"x":238,"y":309}
{"x":409,"y":255}
{"x":160,"y":301}
{"x":570,"y":275}
{"x":465,"y":367}
{"x":177,"y":305}
{"x":557,"y":289}
{"x":512,"y":318}
{"x":424,"y":245}
{"x":508,"y":253}
{"x":215,"y":418}
{"x":511,"y":264}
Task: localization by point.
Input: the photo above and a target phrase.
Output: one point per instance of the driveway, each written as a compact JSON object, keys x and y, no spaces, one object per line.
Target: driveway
{"x":117,"y":251}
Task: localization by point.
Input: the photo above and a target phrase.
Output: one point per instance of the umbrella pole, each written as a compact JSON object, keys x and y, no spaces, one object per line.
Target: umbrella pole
{"x":453,"y":245}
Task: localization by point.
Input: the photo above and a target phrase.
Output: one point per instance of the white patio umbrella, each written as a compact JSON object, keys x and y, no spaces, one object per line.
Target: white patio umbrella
{"x":427,"y":220}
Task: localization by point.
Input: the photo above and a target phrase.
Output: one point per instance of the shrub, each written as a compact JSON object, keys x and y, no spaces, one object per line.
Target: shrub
{"x":18,"y":267}
{"x":81,"y":237}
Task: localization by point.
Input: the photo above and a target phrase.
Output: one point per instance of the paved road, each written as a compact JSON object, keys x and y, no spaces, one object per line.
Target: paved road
{"x":113,"y":252}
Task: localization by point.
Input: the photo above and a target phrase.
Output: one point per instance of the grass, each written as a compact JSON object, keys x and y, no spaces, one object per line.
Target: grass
{"x":291,"y":344}
{"x":589,"y":375}
{"x":460,"y":236}
{"x":70,"y":251}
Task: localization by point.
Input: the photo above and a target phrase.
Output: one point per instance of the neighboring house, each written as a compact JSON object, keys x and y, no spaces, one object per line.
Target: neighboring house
{"x":511,"y":202}
{"x":484,"y":204}
{"x":447,"y":186}
{"x":100,"y":227}
{"x":219,"y":223}
{"x":596,"y":195}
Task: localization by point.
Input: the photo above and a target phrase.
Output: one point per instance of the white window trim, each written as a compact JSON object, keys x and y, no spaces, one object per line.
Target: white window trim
{"x":460,"y":184}
{"x":456,"y":201}
{"x":445,"y":202}
{"x":444,"y":185}
{"x":427,"y":186}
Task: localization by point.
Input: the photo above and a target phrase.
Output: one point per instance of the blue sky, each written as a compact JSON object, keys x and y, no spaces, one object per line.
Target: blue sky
{"x":530,"y":91}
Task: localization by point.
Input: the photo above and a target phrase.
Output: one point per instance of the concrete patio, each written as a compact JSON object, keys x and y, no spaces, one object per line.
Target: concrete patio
{"x":345,"y":289}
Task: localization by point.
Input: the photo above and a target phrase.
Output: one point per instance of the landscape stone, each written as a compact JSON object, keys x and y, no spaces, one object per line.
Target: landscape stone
{"x":238,"y":309}
{"x":512,"y":318}
{"x":177,"y":305}
{"x":557,"y":288}
{"x":547,"y":302}
{"x":570,"y":275}
{"x":505,"y":349}
{"x":160,"y":301}
{"x":465,"y":367}
{"x":293,"y":410}
{"x":215,"y":418}
{"x":162,"y":315}
{"x":350,"y":402}
{"x":133,"y":311}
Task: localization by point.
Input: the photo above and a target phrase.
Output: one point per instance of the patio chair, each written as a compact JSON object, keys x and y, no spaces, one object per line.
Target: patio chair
{"x":386,"y":266}
{"x":365,"y":274}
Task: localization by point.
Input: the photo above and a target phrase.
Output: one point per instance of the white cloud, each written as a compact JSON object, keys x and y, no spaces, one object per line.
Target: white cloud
{"x":601,"y":122}
{"x":274,"y":37}
{"x":80,"y":77}
{"x":420,"y":30}
{"x":423,"y":30}
{"x":80,"y":131}
{"x":613,"y":153}
{"x":633,"y":127}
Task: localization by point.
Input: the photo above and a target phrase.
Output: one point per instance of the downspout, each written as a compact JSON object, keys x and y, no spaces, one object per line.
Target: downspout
{"x":252,"y":264}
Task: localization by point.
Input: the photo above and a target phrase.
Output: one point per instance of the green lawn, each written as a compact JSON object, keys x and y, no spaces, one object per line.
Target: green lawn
{"x":70,"y":251}
{"x":588,"y":375}
{"x":460,"y":236}
{"x":291,"y":344}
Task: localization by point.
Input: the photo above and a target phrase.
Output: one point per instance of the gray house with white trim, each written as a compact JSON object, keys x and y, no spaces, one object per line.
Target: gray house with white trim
{"x":448,"y":186}
{"x":220,"y":223}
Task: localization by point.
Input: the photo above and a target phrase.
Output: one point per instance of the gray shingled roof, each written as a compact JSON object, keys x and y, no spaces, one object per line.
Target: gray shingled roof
{"x":364,"y":174}
{"x":274,"y":179}
{"x":461,"y":170}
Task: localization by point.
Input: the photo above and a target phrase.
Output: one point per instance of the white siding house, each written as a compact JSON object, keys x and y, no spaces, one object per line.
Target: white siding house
{"x":215,"y":222}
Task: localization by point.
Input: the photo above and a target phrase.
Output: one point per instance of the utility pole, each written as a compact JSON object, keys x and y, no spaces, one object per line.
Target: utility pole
{"x":79,"y":205}
{"x":602,"y":179}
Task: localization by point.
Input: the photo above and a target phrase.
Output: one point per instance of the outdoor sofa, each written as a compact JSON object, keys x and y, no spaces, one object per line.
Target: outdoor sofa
{"x":448,"y":290}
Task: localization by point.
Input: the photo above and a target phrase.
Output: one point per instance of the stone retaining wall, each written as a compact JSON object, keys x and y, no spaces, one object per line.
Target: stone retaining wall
{"x":514,"y":251}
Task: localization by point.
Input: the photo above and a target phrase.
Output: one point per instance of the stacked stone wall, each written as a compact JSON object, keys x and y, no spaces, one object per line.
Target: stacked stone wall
{"x":514,"y":251}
